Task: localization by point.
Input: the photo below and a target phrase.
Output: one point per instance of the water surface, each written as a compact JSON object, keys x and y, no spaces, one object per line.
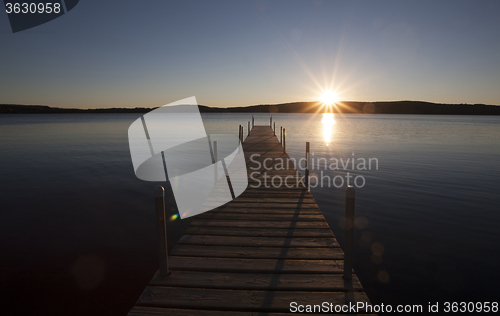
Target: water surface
{"x":78,"y":228}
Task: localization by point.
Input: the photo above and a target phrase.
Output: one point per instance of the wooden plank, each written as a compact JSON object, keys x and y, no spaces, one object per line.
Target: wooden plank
{"x":255,"y":265}
{"x":272,"y":190}
{"x":246,"y":210}
{"x":155,"y":311}
{"x":270,"y":205}
{"x":257,"y":241}
{"x":257,"y":195}
{"x":260,"y":217}
{"x":263,"y":152}
{"x":274,"y":168}
{"x":268,"y":175}
{"x":257,"y":252}
{"x":277,"y":193}
{"x":257,"y":224}
{"x":255,"y":281}
{"x":263,"y":185}
{"x":273,"y":206}
{"x":259,"y":232}
{"x":274,"y":200}
{"x":239,"y":300}
{"x":292,"y":179}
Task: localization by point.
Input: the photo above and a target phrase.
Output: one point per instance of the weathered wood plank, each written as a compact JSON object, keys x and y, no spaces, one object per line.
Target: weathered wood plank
{"x":249,"y":192}
{"x":240,"y":300}
{"x":255,"y":265}
{"x":257,"y":224}
{"x":270,"y":205}
{"x":263,"y":185}
{"x":257,"y":252}
{"x":256,"y":195}
{"x":270,"y":174}
{"x":270,"y":168}
{"x":274,"y":200}
{"x":257,"y":241}
{"x":276,"y":211}
{"x":259,"y":232}
{"x":255,"y":281}
{"x":260,"y":217}
{"x":273,"y":206}
{"x":272,"y":190}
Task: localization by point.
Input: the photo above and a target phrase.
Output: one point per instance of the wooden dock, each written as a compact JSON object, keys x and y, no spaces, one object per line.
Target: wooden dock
{"x":255,"y":255}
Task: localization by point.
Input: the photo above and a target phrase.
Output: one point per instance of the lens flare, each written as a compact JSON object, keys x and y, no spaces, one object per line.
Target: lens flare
{"x":329,"y":97}
{"x":174,"y":217}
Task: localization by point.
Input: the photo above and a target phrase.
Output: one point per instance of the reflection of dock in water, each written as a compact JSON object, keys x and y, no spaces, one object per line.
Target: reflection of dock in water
{"x":256,"y":254}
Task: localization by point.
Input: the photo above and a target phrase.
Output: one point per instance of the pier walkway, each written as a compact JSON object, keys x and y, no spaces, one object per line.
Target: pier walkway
{"x":257,"y":254}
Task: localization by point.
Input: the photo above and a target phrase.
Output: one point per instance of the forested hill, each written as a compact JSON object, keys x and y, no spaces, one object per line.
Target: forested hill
{"x":392,"y":107}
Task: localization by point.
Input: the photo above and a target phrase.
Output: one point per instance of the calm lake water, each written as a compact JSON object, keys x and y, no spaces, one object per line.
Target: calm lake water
{"x":77,"y":228}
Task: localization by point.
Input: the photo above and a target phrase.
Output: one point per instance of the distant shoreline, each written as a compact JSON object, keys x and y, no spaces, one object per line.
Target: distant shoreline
{"x":392,"y":107}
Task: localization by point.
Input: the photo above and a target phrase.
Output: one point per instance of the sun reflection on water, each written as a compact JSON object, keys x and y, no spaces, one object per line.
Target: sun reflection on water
{"x":328,"y":121}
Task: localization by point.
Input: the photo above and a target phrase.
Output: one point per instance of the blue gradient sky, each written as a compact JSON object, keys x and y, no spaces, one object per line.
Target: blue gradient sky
{"x":232,"y":53}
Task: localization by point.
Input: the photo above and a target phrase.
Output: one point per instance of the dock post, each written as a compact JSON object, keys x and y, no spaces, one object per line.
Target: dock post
{"x":271,"y":121}
{"x":253,"y":122}
{"x":239,"y":132}
{"x":307,"y":166}
{"x":274,"y":129}
{"x":281,"y":135}
{"x":284,"y":140}
{"x":216,"y":172}
{"x":162,"y":230}
{"x":248,"y":128}
{"x":349,"y":232}
{"x":242,"y":135}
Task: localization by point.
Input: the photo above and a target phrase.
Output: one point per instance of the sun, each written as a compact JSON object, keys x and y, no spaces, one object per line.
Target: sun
{"x":329,"y":97}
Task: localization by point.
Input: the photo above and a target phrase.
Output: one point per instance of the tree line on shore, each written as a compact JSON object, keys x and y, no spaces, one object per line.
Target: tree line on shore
{"x":386,"y":107}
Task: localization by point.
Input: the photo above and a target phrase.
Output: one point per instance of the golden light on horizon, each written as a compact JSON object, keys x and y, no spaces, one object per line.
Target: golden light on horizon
{"x":329,"y":97}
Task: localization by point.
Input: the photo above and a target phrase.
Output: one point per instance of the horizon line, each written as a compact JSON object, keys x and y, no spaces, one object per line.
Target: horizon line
{"x":243,"y":106}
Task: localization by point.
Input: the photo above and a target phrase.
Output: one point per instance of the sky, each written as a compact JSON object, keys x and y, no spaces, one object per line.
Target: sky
{"x":131,"y":53}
